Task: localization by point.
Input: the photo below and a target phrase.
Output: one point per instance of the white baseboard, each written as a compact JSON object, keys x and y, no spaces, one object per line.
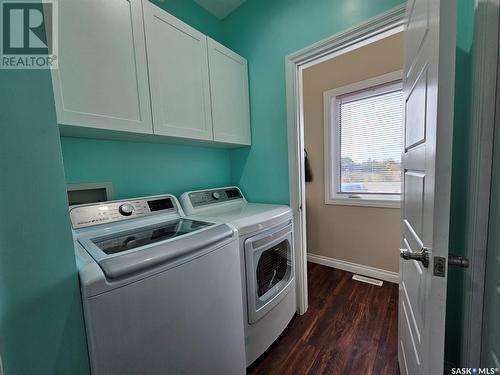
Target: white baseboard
{"x":376,"y":273}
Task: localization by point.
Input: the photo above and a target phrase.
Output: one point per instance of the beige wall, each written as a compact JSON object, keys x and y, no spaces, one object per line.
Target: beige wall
{"x":362,"y":235}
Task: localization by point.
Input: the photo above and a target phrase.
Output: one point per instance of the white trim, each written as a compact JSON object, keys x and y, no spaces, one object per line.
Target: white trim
{"x":376,"y":273}
{"x":297,"y":188}
{"x":347,"y":49}
{"x":373,"y":201}
{"x":324,"y":49}
{"x":480,"y":168}
{"x":367,"y":280}
{"x":390,"y":20}
{"x":332,"y":143}
{"x":367,"y":83}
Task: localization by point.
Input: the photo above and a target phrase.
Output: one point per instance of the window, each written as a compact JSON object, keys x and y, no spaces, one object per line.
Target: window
{"x":363,"y":132}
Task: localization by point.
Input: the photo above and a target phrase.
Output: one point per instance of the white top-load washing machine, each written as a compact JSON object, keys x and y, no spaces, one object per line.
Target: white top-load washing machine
{"x":267,"y":260}
{"x":161,"y":292}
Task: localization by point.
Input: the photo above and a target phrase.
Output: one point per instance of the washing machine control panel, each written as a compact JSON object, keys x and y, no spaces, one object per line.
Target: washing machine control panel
{"x":206,"y":197}
{"x":109,"y":212}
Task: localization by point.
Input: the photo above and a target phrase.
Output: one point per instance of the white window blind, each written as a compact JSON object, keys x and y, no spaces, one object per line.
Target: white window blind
{"x":370,"y":139}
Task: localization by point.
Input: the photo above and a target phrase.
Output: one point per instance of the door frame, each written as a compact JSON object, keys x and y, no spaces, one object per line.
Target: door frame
{"x":294,"y":64}
{"x":484,"y":94}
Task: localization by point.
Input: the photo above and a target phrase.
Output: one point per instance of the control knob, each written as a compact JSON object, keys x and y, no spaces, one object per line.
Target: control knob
{"x":216,"y":195}
{"x":126,"y":209}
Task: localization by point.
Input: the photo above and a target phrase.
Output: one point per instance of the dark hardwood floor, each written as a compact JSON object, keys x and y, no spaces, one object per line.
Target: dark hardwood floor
{"x":350,"y":328}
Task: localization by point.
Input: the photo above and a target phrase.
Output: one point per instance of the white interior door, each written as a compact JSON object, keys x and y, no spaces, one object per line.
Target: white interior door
{"x":426,"y":167}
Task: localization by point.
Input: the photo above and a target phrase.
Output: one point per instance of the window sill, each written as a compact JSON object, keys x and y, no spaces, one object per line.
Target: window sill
{"x":360,"y":202}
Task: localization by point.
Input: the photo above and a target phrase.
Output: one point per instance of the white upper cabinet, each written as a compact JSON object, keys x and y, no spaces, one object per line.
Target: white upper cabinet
{"x":102,"y":78}
{"x":229,"y":90}
{"x":128,"y":69}
{"x":178,"y":75}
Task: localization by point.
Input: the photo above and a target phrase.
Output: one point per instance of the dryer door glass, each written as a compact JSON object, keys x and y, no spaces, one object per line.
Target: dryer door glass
{"x":269,"y":266}
{"x":273,"y":267}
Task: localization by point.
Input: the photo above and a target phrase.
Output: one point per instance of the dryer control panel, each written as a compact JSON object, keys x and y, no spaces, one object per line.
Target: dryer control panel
{"x":203,"y":198}
{"x":109,"y":212}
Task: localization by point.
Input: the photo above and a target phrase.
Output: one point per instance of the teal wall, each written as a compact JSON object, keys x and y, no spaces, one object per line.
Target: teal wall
{"x":265,"y":32}
{"x":41,"y":324}
{"x":138,"y":169}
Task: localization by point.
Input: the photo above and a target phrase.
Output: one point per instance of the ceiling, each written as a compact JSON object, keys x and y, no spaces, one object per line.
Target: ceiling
{"x":220,"y":8}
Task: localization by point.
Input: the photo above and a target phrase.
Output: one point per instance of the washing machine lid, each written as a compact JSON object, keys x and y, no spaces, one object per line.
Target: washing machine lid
{"x":127,"y":240}
{"x":140,"y":249}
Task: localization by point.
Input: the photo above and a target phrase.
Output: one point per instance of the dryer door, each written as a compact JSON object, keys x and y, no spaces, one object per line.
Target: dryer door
{"x":269,"y":270}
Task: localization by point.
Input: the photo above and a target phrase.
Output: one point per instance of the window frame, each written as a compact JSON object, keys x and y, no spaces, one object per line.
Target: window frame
{"x":331,"y":102}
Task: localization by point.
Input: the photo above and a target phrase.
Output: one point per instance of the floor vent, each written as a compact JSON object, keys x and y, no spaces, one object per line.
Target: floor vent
{"x":367,"y":280}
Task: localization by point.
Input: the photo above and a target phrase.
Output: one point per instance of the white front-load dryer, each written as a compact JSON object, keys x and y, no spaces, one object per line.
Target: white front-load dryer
{"x":267,"y":260}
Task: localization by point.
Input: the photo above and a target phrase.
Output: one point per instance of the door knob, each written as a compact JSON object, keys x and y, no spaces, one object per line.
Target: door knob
{"x":421,"y":256}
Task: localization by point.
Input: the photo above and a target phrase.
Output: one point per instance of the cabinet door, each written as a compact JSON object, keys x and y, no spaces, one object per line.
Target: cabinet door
{"x":102,"y":80}
{"x":178,"y":72}
{"x":229,"y":90}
